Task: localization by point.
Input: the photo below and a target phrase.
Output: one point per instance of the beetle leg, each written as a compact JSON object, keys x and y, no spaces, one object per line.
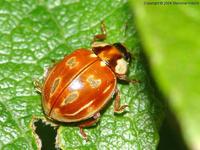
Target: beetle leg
{"x":124,"y":78}
{"x":38,"y":85}
{"x":103,"y":34}
{"x":88,"y":123}
{"x":117,"y":107}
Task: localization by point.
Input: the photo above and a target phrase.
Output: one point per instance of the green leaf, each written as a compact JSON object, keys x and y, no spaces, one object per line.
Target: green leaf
{"x":33,"y":34}
{"x":170,"y":35}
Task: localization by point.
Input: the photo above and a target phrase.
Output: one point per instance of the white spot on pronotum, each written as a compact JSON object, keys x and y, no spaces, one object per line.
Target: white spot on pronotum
{"x":121,"y":66}
{"x":72,"y":62}
{"x":93,"y":55}
{"x":102,"y":64}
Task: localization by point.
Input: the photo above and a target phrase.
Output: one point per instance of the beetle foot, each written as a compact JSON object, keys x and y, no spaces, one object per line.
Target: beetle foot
{"x":103,"y":35}
{"x":83,"y":134}
{"x":89,"y":123}
{"x":38,"y":85}
{"x":117,"y":107}
{"x":124,"y":78}
{"x":121,"y":109}
{"x":133,"y":81}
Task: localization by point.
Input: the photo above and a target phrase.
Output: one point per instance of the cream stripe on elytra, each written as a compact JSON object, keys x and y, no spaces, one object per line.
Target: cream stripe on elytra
{"x":55,"y":85}
{"x":84,"y":107}
{"x":106,"y":89}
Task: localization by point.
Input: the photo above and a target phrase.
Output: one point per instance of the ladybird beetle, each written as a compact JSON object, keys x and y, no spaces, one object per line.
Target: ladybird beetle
{"x":78,"y":87}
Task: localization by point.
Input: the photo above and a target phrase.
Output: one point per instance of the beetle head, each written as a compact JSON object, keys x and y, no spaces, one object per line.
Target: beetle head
{"x":123,"y":50}
{"x":114,"y":55}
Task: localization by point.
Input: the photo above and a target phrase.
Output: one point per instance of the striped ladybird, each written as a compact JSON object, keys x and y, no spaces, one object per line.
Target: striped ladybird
{"x":78,"y":87}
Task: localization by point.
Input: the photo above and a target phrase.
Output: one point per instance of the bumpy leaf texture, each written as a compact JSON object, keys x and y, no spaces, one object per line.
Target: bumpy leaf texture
{"x":34,"y":34}
{"x":170,"y":36}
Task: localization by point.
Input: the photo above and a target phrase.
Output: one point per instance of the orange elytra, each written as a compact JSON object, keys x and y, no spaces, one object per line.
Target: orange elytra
{"x":78,"y":87}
